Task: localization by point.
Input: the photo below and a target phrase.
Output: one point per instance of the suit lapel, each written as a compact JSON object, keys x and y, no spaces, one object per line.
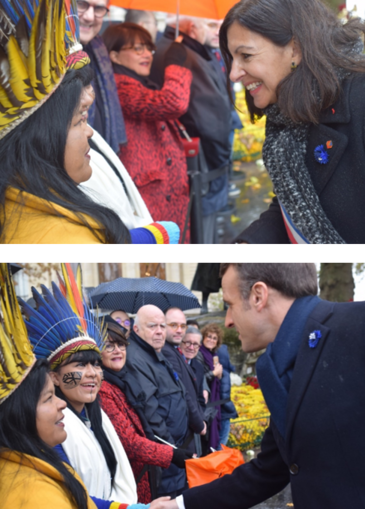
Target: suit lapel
{"x":306,"y":363}
{"x":321,"y":173}
{"x":323,"y":133}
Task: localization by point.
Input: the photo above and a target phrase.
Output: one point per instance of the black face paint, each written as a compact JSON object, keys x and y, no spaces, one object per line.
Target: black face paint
{"x":72,"y":379}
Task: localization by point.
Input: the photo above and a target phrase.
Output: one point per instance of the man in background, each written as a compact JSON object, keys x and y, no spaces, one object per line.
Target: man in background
{"x":175,"y":332}
{"x":145,"y":19}
{"x":208,"y":116}
{"x":165,"y":408}
{"x":105,"y":114}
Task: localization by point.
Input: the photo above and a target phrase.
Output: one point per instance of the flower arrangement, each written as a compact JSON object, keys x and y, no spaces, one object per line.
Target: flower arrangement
{"x":253,"y":416}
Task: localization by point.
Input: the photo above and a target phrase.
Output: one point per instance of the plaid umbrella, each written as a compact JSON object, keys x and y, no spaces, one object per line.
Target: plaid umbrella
{"x":131,"y":294}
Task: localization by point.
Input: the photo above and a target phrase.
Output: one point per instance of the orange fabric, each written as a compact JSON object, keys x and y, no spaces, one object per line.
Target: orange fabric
{"x":212,"y":9}
{"x":204,"y":470}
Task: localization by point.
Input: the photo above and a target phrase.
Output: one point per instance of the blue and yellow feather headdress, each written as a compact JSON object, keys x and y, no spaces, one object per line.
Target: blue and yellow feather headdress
{"x":62,"y":324}
{"x":16,"y":357}
{"x":38,"y":43}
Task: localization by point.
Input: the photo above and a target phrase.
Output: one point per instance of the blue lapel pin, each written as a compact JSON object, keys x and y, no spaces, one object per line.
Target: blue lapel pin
{"x":314,"y":337}
{"x":321,"y":155}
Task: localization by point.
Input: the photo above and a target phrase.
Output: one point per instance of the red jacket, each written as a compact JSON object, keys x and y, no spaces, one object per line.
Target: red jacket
{"x":154,"y":155}
{"x":139,"y":449}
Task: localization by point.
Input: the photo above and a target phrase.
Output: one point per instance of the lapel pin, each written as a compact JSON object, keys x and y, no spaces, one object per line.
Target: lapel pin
{"x":314,"y":337}
{"x":329,"y":144}
{"x":321,"y":156}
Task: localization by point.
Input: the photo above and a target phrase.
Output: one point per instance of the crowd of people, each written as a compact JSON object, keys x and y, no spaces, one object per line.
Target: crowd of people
{"x":93,"y":416}
{"x":97,"y":147}
{"x":134,"y":405}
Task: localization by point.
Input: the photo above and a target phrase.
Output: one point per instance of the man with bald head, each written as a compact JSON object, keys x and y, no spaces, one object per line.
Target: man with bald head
{"x":165,"y":407}
{"x":208,"y":116}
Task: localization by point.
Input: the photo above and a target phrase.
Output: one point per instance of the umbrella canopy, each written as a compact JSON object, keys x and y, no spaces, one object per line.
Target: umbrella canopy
{"x":212,"y":9}
{"x":131,"y":294}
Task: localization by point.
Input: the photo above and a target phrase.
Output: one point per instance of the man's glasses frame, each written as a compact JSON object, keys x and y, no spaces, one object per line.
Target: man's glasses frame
{"x":188,"y":344}
{"x":99,"y":10}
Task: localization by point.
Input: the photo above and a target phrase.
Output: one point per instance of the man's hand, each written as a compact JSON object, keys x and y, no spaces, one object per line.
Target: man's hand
{"x":168,"y":504}
{"x":206,"y":396}
{"x":204,"y":429}
{"x":159,"y":503}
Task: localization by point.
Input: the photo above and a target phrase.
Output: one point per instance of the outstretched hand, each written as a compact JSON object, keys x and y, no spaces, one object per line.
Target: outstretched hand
{"x":164,"y":503}
{"x":160,"y":503}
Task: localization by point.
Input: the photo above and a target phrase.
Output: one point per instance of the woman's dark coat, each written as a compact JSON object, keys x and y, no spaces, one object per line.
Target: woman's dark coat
{"x":340,"y":184}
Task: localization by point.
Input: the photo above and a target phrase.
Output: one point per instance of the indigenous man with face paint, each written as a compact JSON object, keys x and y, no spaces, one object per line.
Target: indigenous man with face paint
{"x":311,"y":376}
{"x":166,"y":408}
{"x":175,"y":332}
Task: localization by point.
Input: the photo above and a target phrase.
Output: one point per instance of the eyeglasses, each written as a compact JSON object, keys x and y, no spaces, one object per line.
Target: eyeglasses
{"x":110,"y":347}
{"x":139,"y":48}
{"x":175,"y":326}
{"x":99,"y":10}
{"x":126,"y":323}
{"x":189,"y":344}
{"x":212,"y":337}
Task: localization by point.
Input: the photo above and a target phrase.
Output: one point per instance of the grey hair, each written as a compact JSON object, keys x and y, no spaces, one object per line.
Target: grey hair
{"x":193,"y":330}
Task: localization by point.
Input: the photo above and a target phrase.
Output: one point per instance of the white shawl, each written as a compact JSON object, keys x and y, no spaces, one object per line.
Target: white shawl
{"x":105,"y":188}
{"x":87,"y":458}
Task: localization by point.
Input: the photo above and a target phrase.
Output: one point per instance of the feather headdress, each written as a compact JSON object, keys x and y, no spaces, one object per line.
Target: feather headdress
{"x":62,"y":324}
{"x":36,"y":38}
{"x":16,"y":357}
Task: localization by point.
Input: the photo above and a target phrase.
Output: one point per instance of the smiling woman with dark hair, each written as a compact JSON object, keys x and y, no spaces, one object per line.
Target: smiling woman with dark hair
{"x":154,"y":154}
{"x":31,"y":421}
{"x":305,"y":71}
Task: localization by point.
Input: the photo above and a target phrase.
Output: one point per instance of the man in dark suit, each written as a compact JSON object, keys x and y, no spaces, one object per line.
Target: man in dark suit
{"x":312,"y":378}
{"x":175,"y":332}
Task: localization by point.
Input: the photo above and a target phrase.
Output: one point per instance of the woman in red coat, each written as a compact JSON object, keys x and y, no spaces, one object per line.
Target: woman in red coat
{"x":154,"y":154}
{"x":117,"y":395}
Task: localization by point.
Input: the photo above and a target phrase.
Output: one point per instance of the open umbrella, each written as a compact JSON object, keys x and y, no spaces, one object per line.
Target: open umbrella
{"x":130,"y":294}
{"x":212,"y":9}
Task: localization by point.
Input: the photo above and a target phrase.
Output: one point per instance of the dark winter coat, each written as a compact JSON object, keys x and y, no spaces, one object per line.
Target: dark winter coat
{"x":340,"y":184}
{"x":322,"y":455}
{"x":154,"y":155}
{"x":208,"y":116}
{"x":228,"y":410}
{"x":187,"y":377}
{"x":165,"y":409}
{"x":198,"y":369}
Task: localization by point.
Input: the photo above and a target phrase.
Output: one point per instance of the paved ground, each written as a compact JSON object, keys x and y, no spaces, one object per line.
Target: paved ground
{"x":255,"y":186}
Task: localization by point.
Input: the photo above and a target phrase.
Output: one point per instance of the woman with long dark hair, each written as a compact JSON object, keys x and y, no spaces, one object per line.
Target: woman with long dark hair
{"x":122,"y":399}
{"x":154,"y":154}
{"x":305,"y":71}
{"x":31,"y":472}
{"x":31,"y":421}
{"x":44,"y":136}
{"x":71,"y":340}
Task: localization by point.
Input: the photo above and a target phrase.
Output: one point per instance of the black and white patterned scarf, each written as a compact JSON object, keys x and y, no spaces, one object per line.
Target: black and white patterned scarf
{"x":284,"y":153}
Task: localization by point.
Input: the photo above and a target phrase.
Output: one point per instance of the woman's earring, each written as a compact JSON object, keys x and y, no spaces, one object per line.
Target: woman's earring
{"x":293,"y":66}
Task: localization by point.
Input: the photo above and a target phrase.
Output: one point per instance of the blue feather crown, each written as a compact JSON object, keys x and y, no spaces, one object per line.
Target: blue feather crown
{"x":56,"y":331}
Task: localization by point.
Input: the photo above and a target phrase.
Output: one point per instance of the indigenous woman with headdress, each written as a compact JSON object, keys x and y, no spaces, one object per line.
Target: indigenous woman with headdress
{"x":63,"y":331}
{"x":45,"y":94}
{"x":31,"y":422}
